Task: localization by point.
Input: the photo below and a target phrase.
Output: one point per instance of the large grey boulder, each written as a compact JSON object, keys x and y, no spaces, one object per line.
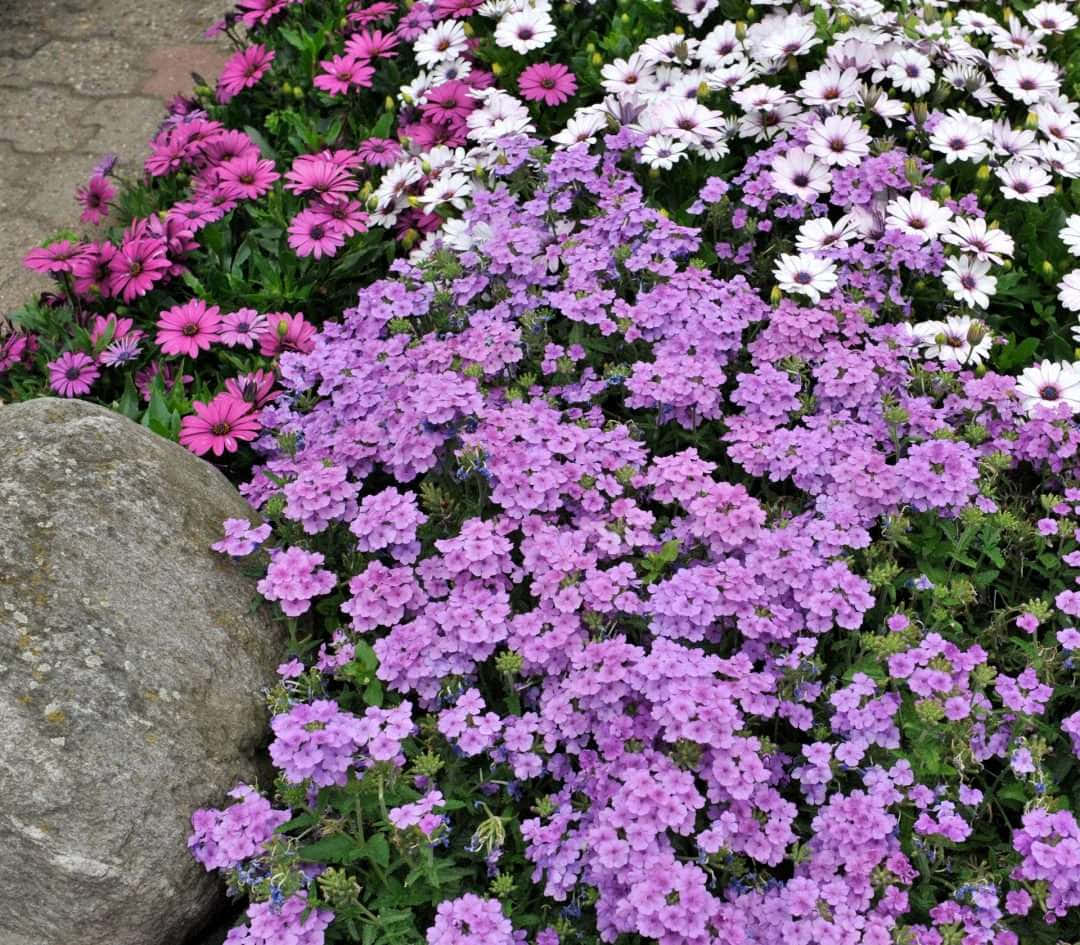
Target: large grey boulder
{"x":130,"y":670}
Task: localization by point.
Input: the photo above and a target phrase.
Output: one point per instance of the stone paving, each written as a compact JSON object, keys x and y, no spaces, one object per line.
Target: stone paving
{"x":79,"y":79}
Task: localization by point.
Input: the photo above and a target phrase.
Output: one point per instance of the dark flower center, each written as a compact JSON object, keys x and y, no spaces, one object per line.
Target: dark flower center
{"x":190,"y":329}
{"x":220,"y":429}
{"x":547,"y":83}
{"x":800,"y":180}
{"x":1049,"y":392}
{"x":73,"y":373}
{"x":803,"y":278}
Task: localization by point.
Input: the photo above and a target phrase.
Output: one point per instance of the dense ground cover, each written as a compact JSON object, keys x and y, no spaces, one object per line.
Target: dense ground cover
{"x":677,"y":534}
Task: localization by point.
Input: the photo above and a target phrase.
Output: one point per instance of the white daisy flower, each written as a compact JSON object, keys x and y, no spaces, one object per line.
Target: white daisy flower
{"x":627,"y":75}
{"x":797,"y":173}
{"x":582,"y":127}
{"x":1070,"y":233}
{"x":1024,"y":180}
{"x":806,"y":274}
{"x":1051,"y":17}
{"x":961,"y":137}
{"x":525,"y":30}
{"x":910,"y":72}
{"x":838,"y":140}
{"x":1027,"y":80}
{"x":663,"y":151}
{"x":444,"y":41}
{"x":829,"y":87}
{"x":1049,"y":384}
{"x":973,"y":236}
{"x":1069,"y":291}
{"x":822,"y":233}
{"x":918,"y":215}
{"x":968,"y":280}
{"x":959,"y":338}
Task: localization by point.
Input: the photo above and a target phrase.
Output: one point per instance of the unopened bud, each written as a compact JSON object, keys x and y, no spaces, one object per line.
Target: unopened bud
{"x":776,"y":295}
{"x":1032,"y":121}
{"x":1048,"y":269}
{"x":409,"y":238}
{"x":496,"y":69}
{"x":597,"y":59}
{"x":912,"y":173}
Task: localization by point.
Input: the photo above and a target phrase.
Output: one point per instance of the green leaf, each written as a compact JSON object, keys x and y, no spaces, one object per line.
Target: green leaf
{"x":338,"y":848}
{"x":128,"y":404}
{"x":378,"y":851}
{"x":264,"y":145}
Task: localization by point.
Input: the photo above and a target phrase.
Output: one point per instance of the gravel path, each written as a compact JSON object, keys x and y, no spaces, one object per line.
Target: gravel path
{"x":79,"y":79}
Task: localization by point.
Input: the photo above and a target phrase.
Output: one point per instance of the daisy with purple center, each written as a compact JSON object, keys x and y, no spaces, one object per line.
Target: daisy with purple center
{"x":219,"y":426}
{"x":94,"y":199}
{"x":449,"y":103}
{"x":342,"y":73}
{"x":195,"y":214}
{"x":251,"y":176}
{"x":349,"y":216}
{"x":189,"y":328}
{"x":378,"y":152}
{"x":122,"y":351}
{"x":548,"y":82}
{"x":256,"y":388}
{"x":371,"y":44}
{"x":12,"y":349}
{"x":242,"y":71}
{"x":327,"y":179}
{"x":135,"y":268}
{"x":71,"y":374}
{"x":312,"y":234}
{"x":241,"y":327}
{"x":56,"y":257}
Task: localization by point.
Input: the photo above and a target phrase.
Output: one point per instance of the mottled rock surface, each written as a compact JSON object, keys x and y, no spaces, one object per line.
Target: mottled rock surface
{"x":130,"y":670}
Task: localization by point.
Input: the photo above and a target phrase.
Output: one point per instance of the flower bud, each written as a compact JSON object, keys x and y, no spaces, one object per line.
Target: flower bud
{"x":409,"y":238}
{"x":468,"y":28}
{"x":1032,"y":121}
{"x":597,"y":59}
{"x":776,"y":295}
{"x":982,"y":175}
{"x":1048,"y":269}
{"x":843,"y":22}
{"x":297,"y":92}
{"x":740,"y":29}
{"x":912,"y":173}
{"x":920,"y":111}
{"x":496,"y":69}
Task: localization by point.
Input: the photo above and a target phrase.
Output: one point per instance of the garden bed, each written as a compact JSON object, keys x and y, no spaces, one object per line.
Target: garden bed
{"x":662,"y":418}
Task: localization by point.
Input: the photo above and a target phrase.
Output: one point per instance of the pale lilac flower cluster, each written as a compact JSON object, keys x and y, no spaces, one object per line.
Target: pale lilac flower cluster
{"x":294,"y":578}
{"x":222,"y":839}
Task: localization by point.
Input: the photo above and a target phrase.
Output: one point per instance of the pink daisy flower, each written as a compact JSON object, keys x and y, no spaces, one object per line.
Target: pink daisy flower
{"x":348,"y":216}
{"x":341,"y":73}
{"x":379,"y":152}
{"x":116,"y":328}
{"x":382,"y":10}
{"x":227,"y":145}
{"x":253,"y":177}
{"x":242,"y":71}
{"x":71,"y":374}
{"x":256,"y":388}
{"x":286,"y":332}
{"x":219,"y":426}
{"x":137,"y":265}
{"x":145,"y":378}
{"x":242,"y":327}
{"x":456,"y":8}
{"x":56,"y":257}
{"x":189,"y":328}
{"x":326,"y":179}
{"x":371,"y":44}
{"x":449,"y":103}
{"x":314,"y":235}
{"x":11,"y":350}
{"x":548,"y":82}
{"x":194,"y":214}
{"x":260,"y":12}
{"x":90,"y":273}
{"x":94,"y":199}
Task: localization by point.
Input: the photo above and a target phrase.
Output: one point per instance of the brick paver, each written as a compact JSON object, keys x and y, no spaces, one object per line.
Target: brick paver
{"x":79,"y":79}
